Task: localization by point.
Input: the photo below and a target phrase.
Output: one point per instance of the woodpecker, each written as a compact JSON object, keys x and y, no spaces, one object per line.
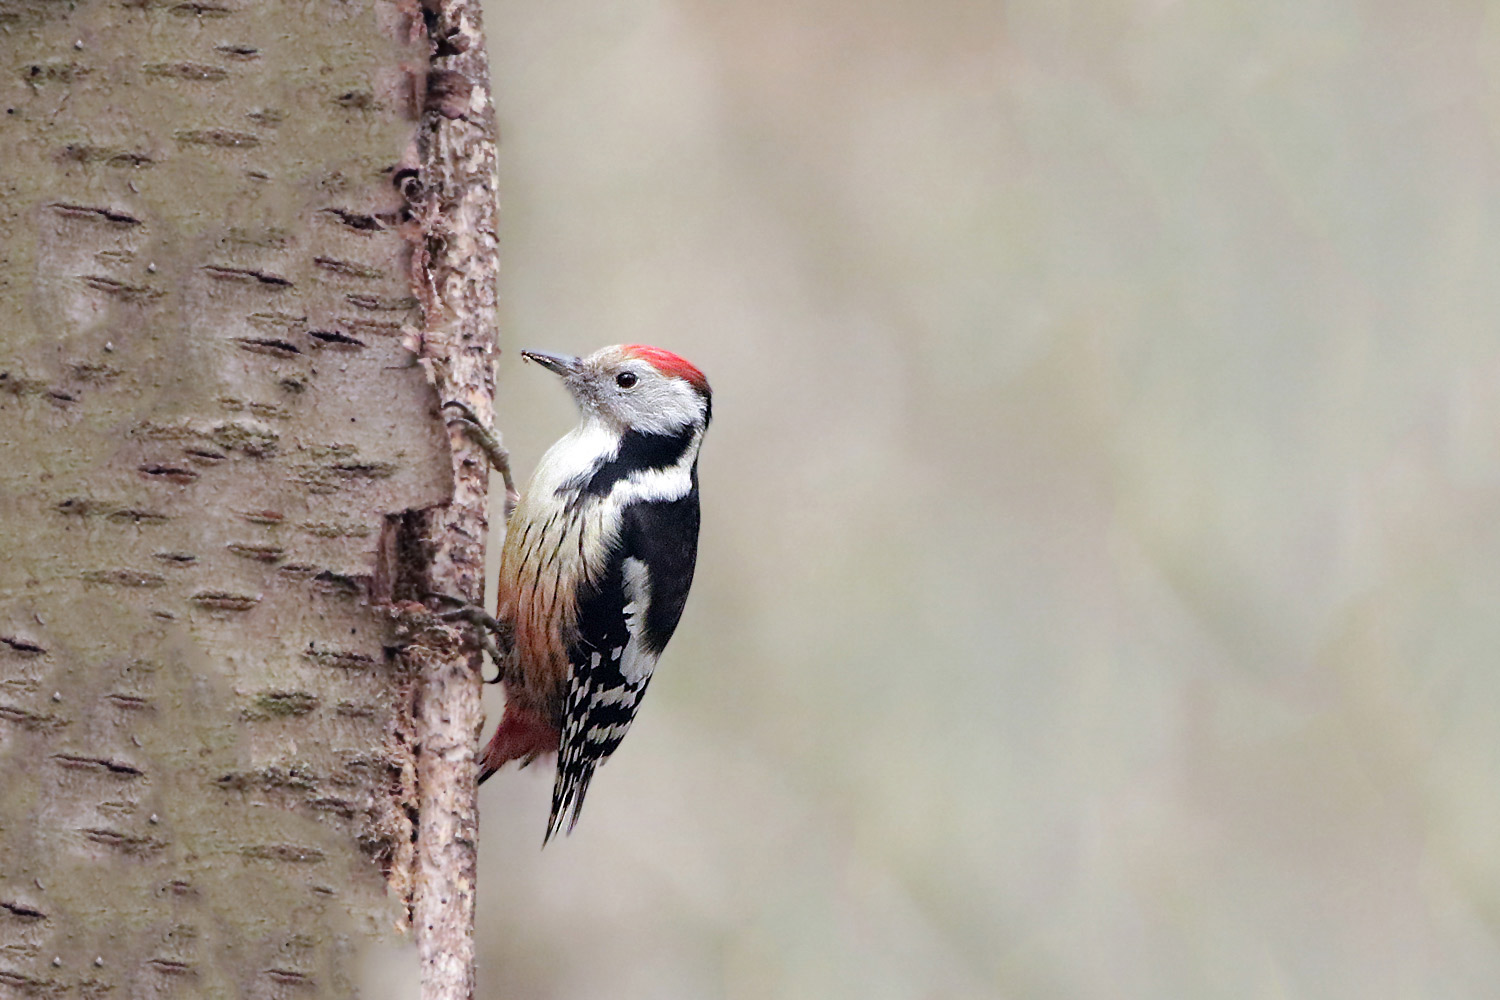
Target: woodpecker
{"x":598,"y":559}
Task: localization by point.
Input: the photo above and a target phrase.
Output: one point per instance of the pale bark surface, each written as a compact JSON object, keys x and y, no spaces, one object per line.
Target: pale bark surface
{"x":206,"y":412}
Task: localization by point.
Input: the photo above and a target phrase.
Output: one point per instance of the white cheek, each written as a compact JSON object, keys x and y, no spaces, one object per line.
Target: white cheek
{"x":661,"y":406}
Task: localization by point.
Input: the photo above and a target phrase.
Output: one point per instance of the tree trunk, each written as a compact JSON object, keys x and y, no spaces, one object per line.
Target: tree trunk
{"x":224,"y":225}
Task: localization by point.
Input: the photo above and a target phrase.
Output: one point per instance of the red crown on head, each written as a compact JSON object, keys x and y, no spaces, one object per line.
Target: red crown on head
{"x":668,"y":363}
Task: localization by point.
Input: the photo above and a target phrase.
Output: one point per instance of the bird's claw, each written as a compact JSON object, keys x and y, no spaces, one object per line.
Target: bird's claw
{"x":486,"y":626}
{"x":489,"y":442}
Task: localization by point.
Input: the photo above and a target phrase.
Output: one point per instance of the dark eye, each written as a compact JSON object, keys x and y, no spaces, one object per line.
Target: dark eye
{"x":625,"y":380}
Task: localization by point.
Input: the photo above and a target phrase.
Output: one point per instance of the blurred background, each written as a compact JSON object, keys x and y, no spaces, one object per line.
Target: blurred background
{"x":1100,"y":566}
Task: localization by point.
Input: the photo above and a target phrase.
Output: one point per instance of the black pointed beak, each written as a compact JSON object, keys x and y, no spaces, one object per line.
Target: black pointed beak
{"x":560,"y":364}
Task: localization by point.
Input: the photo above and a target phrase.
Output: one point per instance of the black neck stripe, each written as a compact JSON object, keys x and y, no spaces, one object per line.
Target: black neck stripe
{"x":639,"y":452}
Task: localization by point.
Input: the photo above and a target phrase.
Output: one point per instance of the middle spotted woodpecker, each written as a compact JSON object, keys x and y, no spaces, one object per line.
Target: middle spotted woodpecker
{"x":598,"y":558}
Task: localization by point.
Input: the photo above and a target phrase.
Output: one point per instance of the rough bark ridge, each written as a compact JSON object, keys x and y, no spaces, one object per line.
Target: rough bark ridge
{"x":454,"y":202}
{"x":206,"y":413}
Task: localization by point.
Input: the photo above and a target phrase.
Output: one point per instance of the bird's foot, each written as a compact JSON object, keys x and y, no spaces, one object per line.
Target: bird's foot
{"x":487,"y":627}
{"x":489,"y":442}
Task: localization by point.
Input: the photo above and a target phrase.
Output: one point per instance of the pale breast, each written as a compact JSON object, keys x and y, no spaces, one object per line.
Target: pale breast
{"x":548,"y":555}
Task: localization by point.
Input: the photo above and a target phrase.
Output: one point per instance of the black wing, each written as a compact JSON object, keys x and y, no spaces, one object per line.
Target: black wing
{"x":619,"y":640}
{"x":664,"y":536}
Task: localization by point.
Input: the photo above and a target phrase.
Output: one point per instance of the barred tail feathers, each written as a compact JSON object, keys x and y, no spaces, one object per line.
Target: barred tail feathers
{"x":594,"y":724}
{"x":575,"y":769}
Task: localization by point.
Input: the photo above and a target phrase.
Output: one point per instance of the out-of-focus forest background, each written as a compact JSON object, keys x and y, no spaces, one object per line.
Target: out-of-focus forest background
{"x":1101,"y":554}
